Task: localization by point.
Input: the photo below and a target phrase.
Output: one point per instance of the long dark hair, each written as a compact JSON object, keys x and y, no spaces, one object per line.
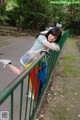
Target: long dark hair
{"x":54,"y":31}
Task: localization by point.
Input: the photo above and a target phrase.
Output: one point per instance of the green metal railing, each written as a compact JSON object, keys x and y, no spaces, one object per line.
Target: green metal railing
{"x":28,"y":107}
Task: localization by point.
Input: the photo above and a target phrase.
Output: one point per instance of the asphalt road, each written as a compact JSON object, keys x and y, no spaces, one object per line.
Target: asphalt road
{"x":13,"y":48}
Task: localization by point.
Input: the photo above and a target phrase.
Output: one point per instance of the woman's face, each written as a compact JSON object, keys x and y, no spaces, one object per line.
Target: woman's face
{"x":52,"y":38}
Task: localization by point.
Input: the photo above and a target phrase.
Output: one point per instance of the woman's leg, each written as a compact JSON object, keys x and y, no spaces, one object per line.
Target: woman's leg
{"x":15,"y":69}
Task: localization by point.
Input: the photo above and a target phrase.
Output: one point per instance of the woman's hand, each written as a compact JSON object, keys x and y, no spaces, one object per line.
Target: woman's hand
{"x":52,"y":46}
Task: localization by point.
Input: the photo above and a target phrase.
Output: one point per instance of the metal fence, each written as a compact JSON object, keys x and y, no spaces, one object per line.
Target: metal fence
{"x":21,"y":104}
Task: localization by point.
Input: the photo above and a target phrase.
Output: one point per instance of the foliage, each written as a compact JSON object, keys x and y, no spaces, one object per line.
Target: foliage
{"x":74,"y":15}
{"x":67,"y":12}
{"x":38,"y":14}
{"x":11,"y":4}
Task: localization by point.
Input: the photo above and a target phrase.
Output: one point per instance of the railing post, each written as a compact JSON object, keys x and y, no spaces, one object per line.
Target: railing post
{"x":12,"y":101}
{"x":21,"y":99}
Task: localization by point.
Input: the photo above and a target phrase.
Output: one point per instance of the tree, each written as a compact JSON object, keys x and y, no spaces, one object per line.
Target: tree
{"x":37,"y":14}
{"x":74,"y":15}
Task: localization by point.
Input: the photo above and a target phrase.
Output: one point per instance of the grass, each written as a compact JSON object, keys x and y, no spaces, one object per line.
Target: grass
{"x":71,"y":62}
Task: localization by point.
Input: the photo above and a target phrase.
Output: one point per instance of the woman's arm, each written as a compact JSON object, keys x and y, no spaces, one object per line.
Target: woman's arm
{"x":52,"y":46}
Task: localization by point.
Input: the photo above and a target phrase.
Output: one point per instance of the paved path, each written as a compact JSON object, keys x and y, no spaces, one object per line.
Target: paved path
{"x":15,"y":47}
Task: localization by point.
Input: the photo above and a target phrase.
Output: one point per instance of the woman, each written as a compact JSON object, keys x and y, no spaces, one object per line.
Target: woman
{"x":43,"y":41}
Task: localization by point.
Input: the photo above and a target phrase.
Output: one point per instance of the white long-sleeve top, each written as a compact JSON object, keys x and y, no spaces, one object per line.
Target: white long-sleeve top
{"x":40,"y":44}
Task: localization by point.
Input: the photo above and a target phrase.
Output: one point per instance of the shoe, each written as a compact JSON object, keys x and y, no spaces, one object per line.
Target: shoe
{"x":30,"y":95}
{"x":5,"y":62}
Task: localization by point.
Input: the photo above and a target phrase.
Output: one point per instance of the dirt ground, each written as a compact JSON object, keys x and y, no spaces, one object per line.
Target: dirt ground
{"x":62,"y":101}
